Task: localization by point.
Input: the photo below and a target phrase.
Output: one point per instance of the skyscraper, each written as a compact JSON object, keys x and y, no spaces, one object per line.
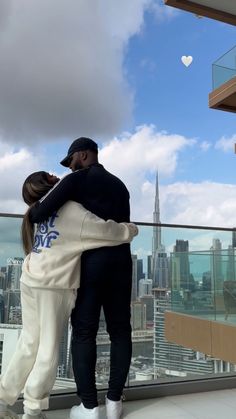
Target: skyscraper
{"x":156,"y":243}
{"x":234,"y":238}
{"x":148,"y":300}
{"x":138,"y":315}
{"x":230,"y":267}
{"x":140,"y":273}
{"x":14,"y":269}
{"x":160,"y":266}
{"x":145,"y":287}
{"x":216,"y":265}
{"x":3,"y":278}
{"x":134,"y":294}
{"x":149,"y":266}
{"x":181,"y":278}
{"x":63,"y":353}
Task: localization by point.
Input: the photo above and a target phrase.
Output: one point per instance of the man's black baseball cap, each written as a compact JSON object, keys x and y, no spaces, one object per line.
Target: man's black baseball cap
{"x":80,"y":144}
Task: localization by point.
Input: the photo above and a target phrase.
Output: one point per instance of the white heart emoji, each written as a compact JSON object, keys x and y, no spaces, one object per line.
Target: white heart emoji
{"x":186,"y":60}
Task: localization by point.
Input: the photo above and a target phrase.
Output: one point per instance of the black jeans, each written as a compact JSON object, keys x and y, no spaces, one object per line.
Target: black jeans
{"x":106,"y":281}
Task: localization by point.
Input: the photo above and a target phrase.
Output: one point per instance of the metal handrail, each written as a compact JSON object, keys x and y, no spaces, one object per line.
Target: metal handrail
{"x":190,"y":226}
{"x":142,"y":223}
{"x":5,"y":214}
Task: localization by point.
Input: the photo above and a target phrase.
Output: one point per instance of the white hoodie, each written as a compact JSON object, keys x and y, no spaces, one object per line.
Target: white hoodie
{"x":59,"y":242}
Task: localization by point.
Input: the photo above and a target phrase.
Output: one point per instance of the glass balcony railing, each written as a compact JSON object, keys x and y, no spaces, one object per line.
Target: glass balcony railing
{"x":181,"y":268}
{"x":224,"y":68}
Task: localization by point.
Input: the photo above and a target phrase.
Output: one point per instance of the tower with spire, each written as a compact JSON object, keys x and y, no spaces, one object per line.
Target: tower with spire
{"x":160,"y":265}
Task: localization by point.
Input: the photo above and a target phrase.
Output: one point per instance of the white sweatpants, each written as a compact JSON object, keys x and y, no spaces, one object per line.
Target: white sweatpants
{"x":33,"y":366}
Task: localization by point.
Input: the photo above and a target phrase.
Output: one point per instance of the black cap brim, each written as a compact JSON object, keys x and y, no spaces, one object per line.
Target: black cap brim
{"x":66,"y":161}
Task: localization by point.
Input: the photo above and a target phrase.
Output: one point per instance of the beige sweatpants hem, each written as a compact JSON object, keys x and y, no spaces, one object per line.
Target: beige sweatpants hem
{"x":33,"y":367}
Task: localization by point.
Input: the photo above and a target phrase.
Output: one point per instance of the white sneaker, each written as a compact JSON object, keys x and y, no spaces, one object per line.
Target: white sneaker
{"x":8,"y":414}
{"x":114,"y":409}
{"x":80,"y":412}
{"x":40,"y":415}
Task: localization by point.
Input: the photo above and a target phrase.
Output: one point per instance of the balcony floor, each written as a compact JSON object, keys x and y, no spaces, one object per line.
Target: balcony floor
{"x":208,"y":405}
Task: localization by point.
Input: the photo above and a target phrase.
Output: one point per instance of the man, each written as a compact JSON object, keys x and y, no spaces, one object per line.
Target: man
{"x":106,"y":278}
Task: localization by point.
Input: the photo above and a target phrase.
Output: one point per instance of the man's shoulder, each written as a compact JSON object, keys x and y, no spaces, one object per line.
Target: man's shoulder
{"x":112,"y":180}
{"x":99,"y":170}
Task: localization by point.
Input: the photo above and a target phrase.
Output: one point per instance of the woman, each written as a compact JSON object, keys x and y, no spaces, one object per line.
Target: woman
{"x":48,"y":291}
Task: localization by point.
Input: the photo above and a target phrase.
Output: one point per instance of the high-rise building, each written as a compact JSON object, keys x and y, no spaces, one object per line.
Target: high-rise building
{"x":234,"y":238}
{"x":230,"y":267}
{"x":180,"y":266}
{"x":138,"y":315}
{"x":156,"y":242}
{"x":148,"y":300}
{"x":2,"y":307}
{"x":14,"y":269}
{"x":216,"y":265}
{"x":206,"y":281}
{"x":140,"y":273}
{"x":9,"y":335}
{"x":161,"y":270}
{"x":145,"y":287}
{"x":160,"y":266}
{"x":63,"y":353}
{"x":3,"y":278}
{"x":175,"y":272}
{"x":134,"y":295}
{"x":12,"y":306}
{"x":149,"y":266}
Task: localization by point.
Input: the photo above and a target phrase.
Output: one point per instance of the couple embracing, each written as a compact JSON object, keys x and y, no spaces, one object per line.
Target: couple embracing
{"x":76,"y":235}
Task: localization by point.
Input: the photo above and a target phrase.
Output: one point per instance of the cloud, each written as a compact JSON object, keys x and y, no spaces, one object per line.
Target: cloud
{"x":15,"y":166}
{"x":144,"y":151}
{"x":62,"y":67}
{"x":226,"y":144}
{"x":205,"y":146}
{"x":204,"y":203}
{"x":5,"y":8}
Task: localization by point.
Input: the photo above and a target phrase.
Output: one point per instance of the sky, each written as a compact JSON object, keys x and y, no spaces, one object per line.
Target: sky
{"x":113,"y":71}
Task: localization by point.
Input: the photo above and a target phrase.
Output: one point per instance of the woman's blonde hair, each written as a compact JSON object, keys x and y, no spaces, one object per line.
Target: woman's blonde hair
{"x":34,"y":188}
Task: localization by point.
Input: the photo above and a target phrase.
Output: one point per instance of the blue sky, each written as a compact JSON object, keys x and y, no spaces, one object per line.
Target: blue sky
{"x":124,"y":85}
{"x":174,"y":97}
